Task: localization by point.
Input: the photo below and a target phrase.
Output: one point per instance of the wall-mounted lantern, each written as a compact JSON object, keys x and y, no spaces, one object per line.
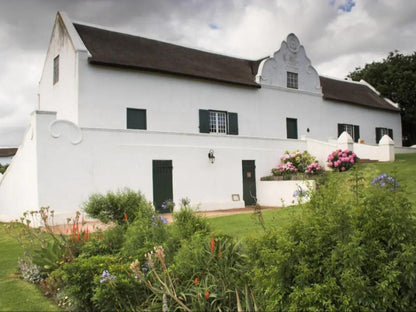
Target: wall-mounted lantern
{"x":211,"y":156}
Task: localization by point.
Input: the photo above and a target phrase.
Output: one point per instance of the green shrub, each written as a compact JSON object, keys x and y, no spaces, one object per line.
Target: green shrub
{"x":79,"y":277}
{"x":353,"y":249}
{"x":116,"y":289}
{"x":108,"y":242}
{"x":187,"y":223}
{"x":143,"y":234}
{"x":120,"y":207}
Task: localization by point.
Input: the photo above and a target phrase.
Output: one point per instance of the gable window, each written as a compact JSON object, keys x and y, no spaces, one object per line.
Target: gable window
{"x":136,"y":119}
{"x":352,"y":130}
{"x":56,"y":69}
{"x":292,"y":80}
{"x":382,"y":131}
{"x":292,"y":128}
{"x":221,"y":122}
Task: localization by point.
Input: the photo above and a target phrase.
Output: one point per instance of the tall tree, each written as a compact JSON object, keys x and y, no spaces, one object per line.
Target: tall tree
{"x":395,"y":78}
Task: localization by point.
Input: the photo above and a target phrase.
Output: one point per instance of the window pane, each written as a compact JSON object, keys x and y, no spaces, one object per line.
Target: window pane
{"x":212,"y":122}
{"x":292,"y":80}
{"x":221,"y":123}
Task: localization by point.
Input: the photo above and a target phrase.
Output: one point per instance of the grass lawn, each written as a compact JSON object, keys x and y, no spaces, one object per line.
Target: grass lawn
{"x":403,"y":170}
{"x":15,"y":293}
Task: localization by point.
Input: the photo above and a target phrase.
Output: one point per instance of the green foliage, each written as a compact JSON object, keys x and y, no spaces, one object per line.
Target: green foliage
{"x":395,"y":78}
{"x":3,"y":168}
{"x":122,"y":292}
{"x":108,"y":242}
{"x":353,"y":249}
{"x":120,"y":207}
{"x":80,"y":279}
{"x":142,"y":235}
{"x":186,"y":223}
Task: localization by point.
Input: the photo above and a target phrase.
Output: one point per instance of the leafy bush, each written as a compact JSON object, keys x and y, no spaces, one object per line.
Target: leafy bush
{"x":120,"y":207}
{"x":79,"y":277}
{"x":116,"y":289}
{"x":296,"y":162}
{"x":340,"y":160}
{"x":352,"y":250}
{"x":143,"y":234}
{"x":206,"y":275}
{"x":108,"y":242}
{"x":30,"y":272}
{"x":187,"y":223}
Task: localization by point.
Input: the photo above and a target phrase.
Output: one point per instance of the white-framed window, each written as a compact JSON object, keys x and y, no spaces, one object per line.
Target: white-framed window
{"x":217,"y":122}
{"x":292,"y":80}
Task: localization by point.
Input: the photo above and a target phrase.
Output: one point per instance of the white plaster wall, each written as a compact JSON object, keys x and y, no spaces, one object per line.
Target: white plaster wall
{"x":105,"y":159}
{"x":62,"y":96}
{"x":280,"y":193}
{"x":291,"y":57}
{"x":172,"y":104}
{"x":18,"y":187}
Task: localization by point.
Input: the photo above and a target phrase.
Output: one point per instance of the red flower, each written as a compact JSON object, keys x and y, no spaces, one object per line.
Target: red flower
{"x":207,"y":294}
{"x":212,"y":244}
{"x":125,"y":217}
{"x":196,"y":281}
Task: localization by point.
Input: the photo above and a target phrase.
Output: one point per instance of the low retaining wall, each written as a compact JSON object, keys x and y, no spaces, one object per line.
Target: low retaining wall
{"x":281,"y":193}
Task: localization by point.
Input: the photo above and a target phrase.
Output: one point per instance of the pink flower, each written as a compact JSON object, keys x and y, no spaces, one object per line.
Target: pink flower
{"x":343,"y":169}
{"x":352,"y":160}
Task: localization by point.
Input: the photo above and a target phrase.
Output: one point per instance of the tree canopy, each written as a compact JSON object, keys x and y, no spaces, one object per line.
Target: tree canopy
{"x":395,"y":78}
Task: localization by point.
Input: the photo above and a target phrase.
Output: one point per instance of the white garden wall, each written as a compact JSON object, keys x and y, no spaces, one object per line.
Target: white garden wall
{"x":19,"y":185}
{"x":282,"y":193}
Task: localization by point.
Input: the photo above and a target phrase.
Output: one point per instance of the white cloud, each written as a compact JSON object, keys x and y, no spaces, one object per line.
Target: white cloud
{"x":336,"y":40}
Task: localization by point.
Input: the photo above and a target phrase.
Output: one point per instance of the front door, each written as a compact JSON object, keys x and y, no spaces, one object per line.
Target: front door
{"x":249,"y":182}
{"x":162,"y":183}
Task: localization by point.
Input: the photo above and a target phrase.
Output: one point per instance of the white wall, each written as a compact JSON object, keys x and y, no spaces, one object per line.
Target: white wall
{"x":281,"y":193}
{"x":18,"y":187}
{"x":62,"y":96}
{"x":172,"y":104}
{"x":70,"y":168}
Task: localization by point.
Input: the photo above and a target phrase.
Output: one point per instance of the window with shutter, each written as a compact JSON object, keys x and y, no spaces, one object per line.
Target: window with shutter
{"x":352,"y":130}
{"x":382,"y":131}
{"x":220,"y":122}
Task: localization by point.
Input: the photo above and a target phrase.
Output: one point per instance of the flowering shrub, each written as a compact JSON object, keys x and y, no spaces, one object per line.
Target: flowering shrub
{"x":385,"y":180}
{"x":284,"y":169}
{"x":340,"y":160}
{"x":297,"y":162}
{"x":314,"y":168}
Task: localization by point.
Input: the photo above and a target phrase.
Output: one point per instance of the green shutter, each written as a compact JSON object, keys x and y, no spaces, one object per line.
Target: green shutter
{"x":390,"y":131}
{"x":232,"y":123}
{"x":292,"y":128}
{"x":378,"y":135}
{"x":203,"y":121}
{"x":341,"y":128}
{"x":136,"y":119}
{"x":356,"y":133}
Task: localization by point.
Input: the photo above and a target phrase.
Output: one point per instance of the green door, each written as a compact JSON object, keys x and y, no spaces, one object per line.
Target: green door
{"x":162,"y":183}
{"x":249,"y":182}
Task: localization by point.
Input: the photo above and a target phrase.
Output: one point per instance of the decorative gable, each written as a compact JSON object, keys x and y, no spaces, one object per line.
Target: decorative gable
{"x":289,"y":67}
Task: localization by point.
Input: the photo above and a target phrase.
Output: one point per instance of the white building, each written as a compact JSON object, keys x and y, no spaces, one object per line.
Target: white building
{"x":118,"y":111}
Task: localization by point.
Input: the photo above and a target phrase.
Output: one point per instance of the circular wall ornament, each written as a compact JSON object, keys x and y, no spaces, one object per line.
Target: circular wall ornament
{"x":293,"y":43}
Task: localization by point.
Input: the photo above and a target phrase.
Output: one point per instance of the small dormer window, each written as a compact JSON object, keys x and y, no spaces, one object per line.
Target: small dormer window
{"x":292,"y":80}
{"x":56,"y":69}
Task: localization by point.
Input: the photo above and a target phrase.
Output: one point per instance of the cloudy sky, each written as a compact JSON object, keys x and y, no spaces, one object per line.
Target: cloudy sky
{"x":338,"y":35}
